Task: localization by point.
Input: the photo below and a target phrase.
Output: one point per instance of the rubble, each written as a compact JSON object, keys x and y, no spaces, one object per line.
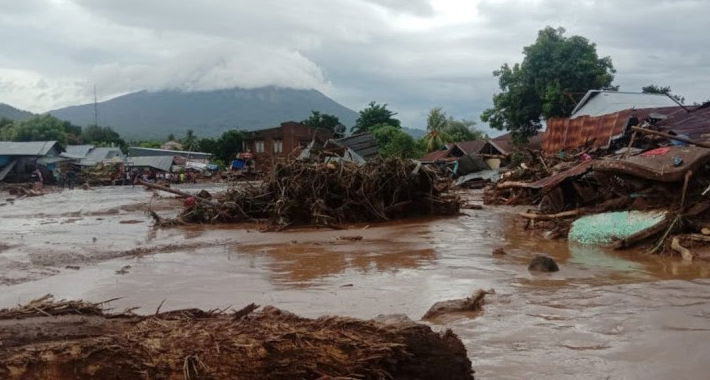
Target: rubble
{"x":656,"y":177}
{"x":328,"y":194}
{"x":196,"y":344}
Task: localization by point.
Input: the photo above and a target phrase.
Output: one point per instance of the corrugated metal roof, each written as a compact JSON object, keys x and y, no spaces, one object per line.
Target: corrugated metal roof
{"x":473,"y":146}
{"x":163,"y":163}
{"x":364,"y":144}
{"x":567,"y":134}
{"x":602,"y":102}
{"x":144,"y":152}
{"x":79,"y":151}
{"x":100,"y":154}
{"x":30,"y":148}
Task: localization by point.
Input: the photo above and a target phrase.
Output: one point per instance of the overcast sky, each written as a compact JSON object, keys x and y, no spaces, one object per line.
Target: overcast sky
{"x":410,"y":54}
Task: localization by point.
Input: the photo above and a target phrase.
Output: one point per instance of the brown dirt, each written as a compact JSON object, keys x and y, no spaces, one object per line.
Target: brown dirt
{"x":195,"y":344}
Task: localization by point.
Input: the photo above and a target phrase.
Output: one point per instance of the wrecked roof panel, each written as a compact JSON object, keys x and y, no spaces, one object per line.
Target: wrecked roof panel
{"x":364,"y":144}
{"x":658,"y":167}
{"x":597,"y":132}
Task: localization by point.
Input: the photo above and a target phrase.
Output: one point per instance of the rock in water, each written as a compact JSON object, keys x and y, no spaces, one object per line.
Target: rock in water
{"x":543,"y":264}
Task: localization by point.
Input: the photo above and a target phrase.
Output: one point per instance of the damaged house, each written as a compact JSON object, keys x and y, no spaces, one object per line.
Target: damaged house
{"x":19,"y":159}
{"x":276,"y":144}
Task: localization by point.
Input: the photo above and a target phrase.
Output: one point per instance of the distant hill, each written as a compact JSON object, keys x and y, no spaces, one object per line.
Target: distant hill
{"x":416,"y":133}
{"x":154,"y":115}
{"x":12,"y":113}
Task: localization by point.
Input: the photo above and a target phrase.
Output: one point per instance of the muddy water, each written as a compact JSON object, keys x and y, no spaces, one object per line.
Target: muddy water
{"x":604,"y":315}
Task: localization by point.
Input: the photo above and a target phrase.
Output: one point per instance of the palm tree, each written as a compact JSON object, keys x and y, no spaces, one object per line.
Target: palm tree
{"x":190,"y":140}
{"x":436,"y":124}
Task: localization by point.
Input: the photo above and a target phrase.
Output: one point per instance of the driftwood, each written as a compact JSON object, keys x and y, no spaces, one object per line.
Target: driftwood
{"x":177,"y":192}
{"x":302,"y":193}
{"x":468,"y":304}
{"x":684,"y":252}
{"x":560,"y":215}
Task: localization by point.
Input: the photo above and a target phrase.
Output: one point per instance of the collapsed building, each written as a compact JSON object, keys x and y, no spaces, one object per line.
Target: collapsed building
{"x":640,"y":172}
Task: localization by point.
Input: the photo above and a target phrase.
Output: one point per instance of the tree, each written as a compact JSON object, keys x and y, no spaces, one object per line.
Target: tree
{"x":462,"y":130}
{"x":190,"y":140}
{"x":663,"y":90}
{"x":42,"y":128}
{"x":325,"y":121}
{"x":375,"y":115}
{"x":96,"y":135}
{"x":392,"y":141}
{"x":436,"y":123}
{"x":228,"y":145}
{"x":171,"y":137}
{"x":554,"y":69}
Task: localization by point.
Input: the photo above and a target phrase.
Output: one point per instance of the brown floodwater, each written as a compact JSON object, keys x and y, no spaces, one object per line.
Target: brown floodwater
{"x":604,"y":315}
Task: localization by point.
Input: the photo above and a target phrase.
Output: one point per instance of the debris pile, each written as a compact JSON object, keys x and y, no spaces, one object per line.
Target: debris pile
{"x":103,"y":173}
{"x":328,"y":194}
{"x":654,"y":190}
{"x":246,"y":344}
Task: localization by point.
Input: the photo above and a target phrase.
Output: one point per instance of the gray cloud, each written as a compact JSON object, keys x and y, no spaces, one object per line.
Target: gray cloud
{"x":413,"y":55}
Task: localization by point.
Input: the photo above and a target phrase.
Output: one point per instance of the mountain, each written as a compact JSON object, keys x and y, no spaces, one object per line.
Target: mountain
{"x":416,"y":133}
{"x":154,"y":115}
{"x":9,"y":112}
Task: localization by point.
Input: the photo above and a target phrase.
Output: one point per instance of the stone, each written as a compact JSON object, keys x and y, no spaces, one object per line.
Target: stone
{"x":543,"y":264}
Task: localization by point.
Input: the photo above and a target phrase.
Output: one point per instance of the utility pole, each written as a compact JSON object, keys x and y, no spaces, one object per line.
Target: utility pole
{"x":96,"y":109}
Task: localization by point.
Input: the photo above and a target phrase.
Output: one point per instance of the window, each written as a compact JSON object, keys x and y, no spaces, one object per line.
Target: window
{"x":278,"y":146}
{"x":259,"y":146}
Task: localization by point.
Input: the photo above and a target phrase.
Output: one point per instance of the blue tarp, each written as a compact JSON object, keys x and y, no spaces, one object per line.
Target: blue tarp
{"x":238,"y":164}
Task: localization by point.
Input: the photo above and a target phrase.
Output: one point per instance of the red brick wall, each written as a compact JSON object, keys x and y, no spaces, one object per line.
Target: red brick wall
{"x":292,"y":135}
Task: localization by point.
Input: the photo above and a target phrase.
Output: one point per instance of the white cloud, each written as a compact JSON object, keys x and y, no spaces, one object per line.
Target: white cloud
{"x":413,"y":55}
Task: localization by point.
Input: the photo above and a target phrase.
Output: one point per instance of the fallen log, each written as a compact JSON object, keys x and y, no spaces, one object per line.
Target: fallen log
{"x":177,"y":192}
{"x":560,"y":215}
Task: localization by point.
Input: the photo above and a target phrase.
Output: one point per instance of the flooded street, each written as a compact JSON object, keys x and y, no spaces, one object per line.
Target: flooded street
{"x":604,"y":315}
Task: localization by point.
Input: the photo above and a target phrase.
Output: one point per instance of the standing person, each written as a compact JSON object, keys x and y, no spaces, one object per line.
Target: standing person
{"x":37,"y":179}
{"x":71,"y":178}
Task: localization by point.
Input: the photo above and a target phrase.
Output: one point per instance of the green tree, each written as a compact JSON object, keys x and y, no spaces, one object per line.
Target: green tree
{"x":436,"y":123}
{"x":228,"y":145}
{"x":102,"y":136}
{"x":325,"y":121}
{"x":189,"y":142}
{"x":42,"y":128}
{"x":147,"y":144}
{"x":171,"y":137}
{"x":462,"y":130}
{"x":392,"y":141}
{"x":554,"y":69}
{"x":663,"y":90}
{"x":375,"y":115}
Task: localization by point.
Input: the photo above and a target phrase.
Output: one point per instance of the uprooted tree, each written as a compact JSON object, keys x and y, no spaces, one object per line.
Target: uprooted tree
{"x":556,"y":70}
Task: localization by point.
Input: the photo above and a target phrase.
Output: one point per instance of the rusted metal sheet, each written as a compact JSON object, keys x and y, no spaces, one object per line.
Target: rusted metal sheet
{"x":567,"y":134}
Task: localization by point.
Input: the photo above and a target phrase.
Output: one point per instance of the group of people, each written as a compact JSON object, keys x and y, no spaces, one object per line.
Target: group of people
{"x":153,"y":176}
